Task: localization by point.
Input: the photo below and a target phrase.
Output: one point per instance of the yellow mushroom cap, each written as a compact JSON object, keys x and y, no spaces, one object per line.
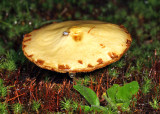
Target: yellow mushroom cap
{"x":76,"y":46}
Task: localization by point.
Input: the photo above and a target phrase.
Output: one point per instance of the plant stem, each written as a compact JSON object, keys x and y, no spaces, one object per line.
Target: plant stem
{"x":109,"y":101}
{"x":9,"y":25}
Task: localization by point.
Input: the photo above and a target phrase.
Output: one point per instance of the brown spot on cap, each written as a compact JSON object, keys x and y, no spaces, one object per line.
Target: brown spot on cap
{"x":67,"y":67}
{"x":23,"y":46}
{"x":128,"y":42}
{"x":63,"y":67}
{"x":125,"y":30}
{"x":100,"y":61}
{"x":89,"y":65}
{"x":112,"y":55}
{"x":27,"y":40}
{"x":39,"y":61}
{"x":52,"y":69}
{"x":102,"y":45}
{"x":27,"y":35}
{"x":80,"y":61}
{"x":30,"y":55}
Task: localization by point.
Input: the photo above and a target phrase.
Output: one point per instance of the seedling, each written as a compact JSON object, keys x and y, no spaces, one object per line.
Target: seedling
{"x":146,"y":85}
{"x":116,"y":97}
{"x":9,"y":62}
{"x":35,"y":106}
{"x":69,"y":105}
{"x":2,"y":50}
{"x":113,"y":72}
{"x":155,"y":104}
{"x":121,"y":96}
{"x":3,"y":108}
{"x":85,"y":80}
{"x":66,"y":104}
{"x":3,"y":89}
{"x":17,"y":108}
{"x":91,"y":97}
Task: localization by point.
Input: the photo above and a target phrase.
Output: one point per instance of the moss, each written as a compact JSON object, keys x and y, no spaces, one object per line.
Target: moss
{"x":2,"y":49}
{"x":8,"y":62}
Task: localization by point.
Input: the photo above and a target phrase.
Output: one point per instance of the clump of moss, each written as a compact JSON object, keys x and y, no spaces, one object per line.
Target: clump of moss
{"x":10,"y":60}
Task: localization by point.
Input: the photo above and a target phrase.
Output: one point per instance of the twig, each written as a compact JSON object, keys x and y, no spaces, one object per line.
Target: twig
{"x":15,"y":97}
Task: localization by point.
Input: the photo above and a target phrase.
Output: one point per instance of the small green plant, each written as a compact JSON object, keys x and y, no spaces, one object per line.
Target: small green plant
{"x":91,"y":97}
{"x":3,"y":89}
{"x":2,"y":50}
{"x":88,"y":94}
{"x":155,"y":104}
{"x":8,"y":62}
{"x":113,"y":72}
{"x":121,"y":96}
{"x":11,"y":59}
{"x":3,"y":108}
{"x":35,"y":106}
{"x":119,"y":64}
{"x":146,"y":85}
{"x":69,"y":105}
{"x":17,"y":108}
{"x":66,"y":104}
{"x":86,"y":80}
{"x":116,"y":97}
{"x":3,"y":93}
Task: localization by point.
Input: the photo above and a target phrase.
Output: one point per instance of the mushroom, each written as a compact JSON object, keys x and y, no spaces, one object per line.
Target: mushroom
{"x":76,"y":46}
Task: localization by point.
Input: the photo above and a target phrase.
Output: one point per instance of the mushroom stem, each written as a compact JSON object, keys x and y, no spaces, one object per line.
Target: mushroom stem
{"x":72,"y":75}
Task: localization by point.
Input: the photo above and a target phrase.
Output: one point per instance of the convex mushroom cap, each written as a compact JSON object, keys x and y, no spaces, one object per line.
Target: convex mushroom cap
{"x":76,"y":46}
